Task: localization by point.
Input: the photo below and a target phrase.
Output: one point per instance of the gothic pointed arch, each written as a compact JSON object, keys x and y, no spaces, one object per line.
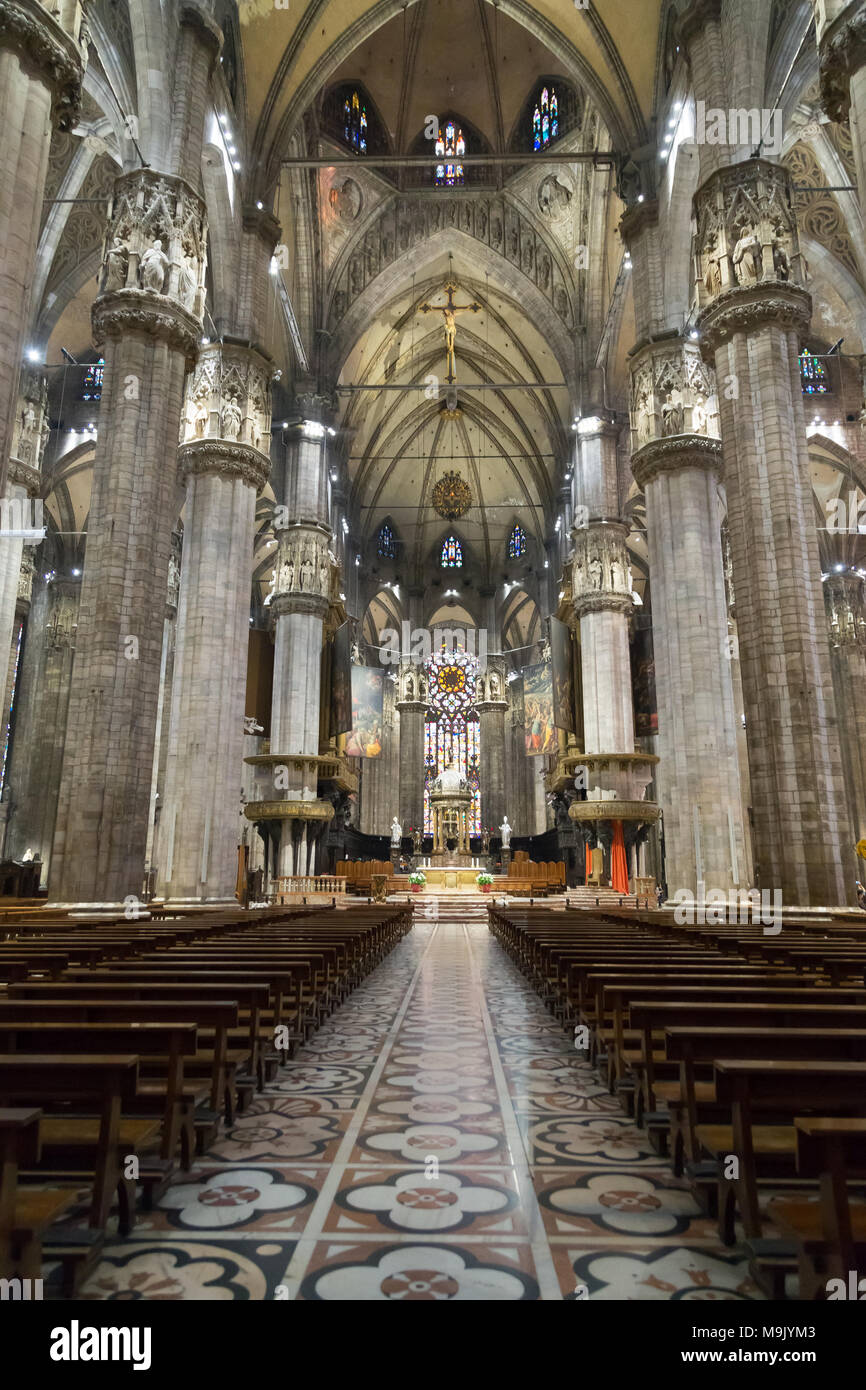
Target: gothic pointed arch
{"x":553,"y":108}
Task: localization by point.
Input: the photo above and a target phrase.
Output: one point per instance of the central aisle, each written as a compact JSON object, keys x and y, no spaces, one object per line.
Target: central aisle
{"x":437,"y":1139}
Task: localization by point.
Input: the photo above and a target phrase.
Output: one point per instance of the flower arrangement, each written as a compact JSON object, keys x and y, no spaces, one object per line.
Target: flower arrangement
{"x":417,"y":880}
{"x":484,"y":881}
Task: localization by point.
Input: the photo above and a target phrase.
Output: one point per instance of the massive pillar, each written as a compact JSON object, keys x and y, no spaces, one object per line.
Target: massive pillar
{"x":753,"y":312}
{"x":21,"y":508}
{"x":307,"y":578}
{"x":841,"y":33}
{"x":41,"y":68}
{"x":677,"y":463}
{"x":224,"y":459}
{"x":43,"y":698}
{"x":492,"y":707}
{"x":845,"y":598}
{"x":148,"y":315}
{"x":412,"y":709}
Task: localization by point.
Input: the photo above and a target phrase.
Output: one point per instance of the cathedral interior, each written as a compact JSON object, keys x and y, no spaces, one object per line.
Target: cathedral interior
{"x":433,"y":440}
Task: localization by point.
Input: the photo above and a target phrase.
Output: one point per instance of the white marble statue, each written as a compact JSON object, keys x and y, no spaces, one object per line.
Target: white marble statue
{"x":505,"y":832}
{"x":396,"y":833}
{"x":154,"y":264}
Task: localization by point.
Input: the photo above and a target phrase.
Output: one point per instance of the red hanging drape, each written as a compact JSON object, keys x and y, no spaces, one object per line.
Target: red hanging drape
{"x":618,"y":865}
{"x":588,"y":862}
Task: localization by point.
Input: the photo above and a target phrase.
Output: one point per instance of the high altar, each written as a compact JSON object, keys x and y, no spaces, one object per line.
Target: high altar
{"x":450,"y":805}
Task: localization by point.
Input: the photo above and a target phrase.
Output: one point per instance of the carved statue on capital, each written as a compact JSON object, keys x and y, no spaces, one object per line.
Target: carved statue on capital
{"x":745,"y":230}
{"x":156,"y":241}
{"x":30,"y":434}
{"x":673,"y":392}
{"x":601,"y":574}
{"x":228,"y":398}
{"x":303,"y":564}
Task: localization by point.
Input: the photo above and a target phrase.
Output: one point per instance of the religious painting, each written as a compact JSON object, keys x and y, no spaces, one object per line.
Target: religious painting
{"x":368,"y":691}
{"x":538,"y":726}
{"x":563,"y":676}
{"x":643,"y":683}
{"x":341,"y":681}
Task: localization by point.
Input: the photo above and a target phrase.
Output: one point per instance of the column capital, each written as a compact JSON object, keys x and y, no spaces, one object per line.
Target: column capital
{"x":156,"y":242}
{"x":209,"y":32}
{"x":673,"y":391}
{"x":636,"y":219}
{"x":601,"y":579}
{"x":673,"y":455}
{"x":305,"y":574}
{"x":228,"y":398}
{"x":263,"y":223}
{"x":225,"y":458}
{"x":745,"y":308}
{"x":26,"y":26}
{"x":699,"y":14}
{"x":745,"y":230}
{"x":841,"y":53}
{"x":138,"y":311}
{"x":25,"y":476}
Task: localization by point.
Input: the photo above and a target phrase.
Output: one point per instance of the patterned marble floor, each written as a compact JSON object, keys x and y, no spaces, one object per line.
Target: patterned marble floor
{"x":438,"y":1139}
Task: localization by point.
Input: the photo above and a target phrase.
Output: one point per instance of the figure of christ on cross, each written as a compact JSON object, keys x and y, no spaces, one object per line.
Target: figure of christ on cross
{"x":449,"y":312}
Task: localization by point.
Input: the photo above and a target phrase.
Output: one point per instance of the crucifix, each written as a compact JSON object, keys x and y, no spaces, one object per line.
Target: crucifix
{"x":449,"y":311}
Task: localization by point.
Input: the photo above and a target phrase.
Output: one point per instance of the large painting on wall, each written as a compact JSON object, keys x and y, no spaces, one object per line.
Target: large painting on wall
{"x":368,"y":691}
{"x":643,"y":683}
{"x":538,"y":726}
{"x":341,"y":681}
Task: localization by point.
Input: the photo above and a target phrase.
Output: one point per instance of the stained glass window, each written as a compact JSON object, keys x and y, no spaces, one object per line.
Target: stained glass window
{"x":517,"y":543}
{"x":93,"y":381}
{"x":355,"y":123}
{"x":452,"y":554}
{"x":450,"y":147}
{"x":813,"y":375}
{"x":545,"y":119}
{"x":452,"y":734}
{"x":387,"y":543}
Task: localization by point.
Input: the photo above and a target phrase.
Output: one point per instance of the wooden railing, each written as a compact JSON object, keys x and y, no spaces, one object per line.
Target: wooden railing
{"x":308,"y":885}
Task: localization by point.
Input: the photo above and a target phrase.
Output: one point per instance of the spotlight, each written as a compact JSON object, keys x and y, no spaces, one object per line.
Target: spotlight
{"x":33,"y":355}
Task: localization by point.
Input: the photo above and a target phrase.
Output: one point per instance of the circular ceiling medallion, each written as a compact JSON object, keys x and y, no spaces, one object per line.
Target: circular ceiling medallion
{"x":451,"y":496}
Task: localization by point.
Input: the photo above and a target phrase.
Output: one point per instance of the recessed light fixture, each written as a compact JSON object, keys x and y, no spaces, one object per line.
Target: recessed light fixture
{"x":33,"y":355}
{"x":76,"y":572}
{"x":259,"y":206}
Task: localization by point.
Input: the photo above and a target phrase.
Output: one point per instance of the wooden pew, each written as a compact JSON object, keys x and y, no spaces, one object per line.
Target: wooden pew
{"x":24,"y":1214}
{"x":831,"y":1234}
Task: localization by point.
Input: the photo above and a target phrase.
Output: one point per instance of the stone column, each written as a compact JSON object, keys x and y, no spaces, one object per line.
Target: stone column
{"x":41,"y":70}
{"x":602,"y":603}
{"x":845,"y":599}
{"x":148,"y":314}
{"x":412,"y":708}
{"x":753,"y":312}
{"x":43,"y":698}
{"x":21,"y":508}
{"x":841,"y":33}
{"x":492,"y":705}
{"x":224,"y":459}
{"x":677,"y":463}
{"x":163,"y":713}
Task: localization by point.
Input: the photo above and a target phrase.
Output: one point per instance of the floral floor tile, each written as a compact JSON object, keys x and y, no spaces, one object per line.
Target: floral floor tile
{"x":419,"y":1273}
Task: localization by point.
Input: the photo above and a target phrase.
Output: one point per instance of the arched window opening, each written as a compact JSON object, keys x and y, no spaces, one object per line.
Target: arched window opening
{"x":387,"y":544}
{"x":545,"y":119}
{"x":355,"y":123}
{"x":450,"y":149}
{"x":452,"y":734}
{"x":517,"y":543}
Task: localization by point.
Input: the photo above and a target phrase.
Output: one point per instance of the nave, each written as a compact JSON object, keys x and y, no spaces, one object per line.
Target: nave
{"x":327,"y":1186}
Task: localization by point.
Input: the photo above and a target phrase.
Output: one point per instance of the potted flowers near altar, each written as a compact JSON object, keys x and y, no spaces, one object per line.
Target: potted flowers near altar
{"x":417,"y":881}
{"x":484,"y":881}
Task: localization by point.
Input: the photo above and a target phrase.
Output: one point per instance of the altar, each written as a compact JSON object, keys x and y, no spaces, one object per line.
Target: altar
{"x":447,"y":880}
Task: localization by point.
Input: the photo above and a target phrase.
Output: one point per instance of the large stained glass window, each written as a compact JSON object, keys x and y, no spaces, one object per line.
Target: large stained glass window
{"x":517,"y":543}
{"x":452,"y":554}
{"x":355,"y":124}
{"x":545,"y":119}
{"x":813,"y":375}
{"x":450,"y":149}
{"x":92,"y":390}
{"x":451,"y":734}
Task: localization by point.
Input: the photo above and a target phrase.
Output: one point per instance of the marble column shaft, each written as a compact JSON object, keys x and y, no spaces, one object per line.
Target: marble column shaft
{"x":198,"y":855}
{"x":751,"y":325}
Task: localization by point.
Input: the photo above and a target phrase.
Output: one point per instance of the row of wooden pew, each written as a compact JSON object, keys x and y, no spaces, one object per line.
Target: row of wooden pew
{"x":528,"y":879}
{"x":359,"y":876}
{"x":742,"y":1054}
{"x":124,"y":1046}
